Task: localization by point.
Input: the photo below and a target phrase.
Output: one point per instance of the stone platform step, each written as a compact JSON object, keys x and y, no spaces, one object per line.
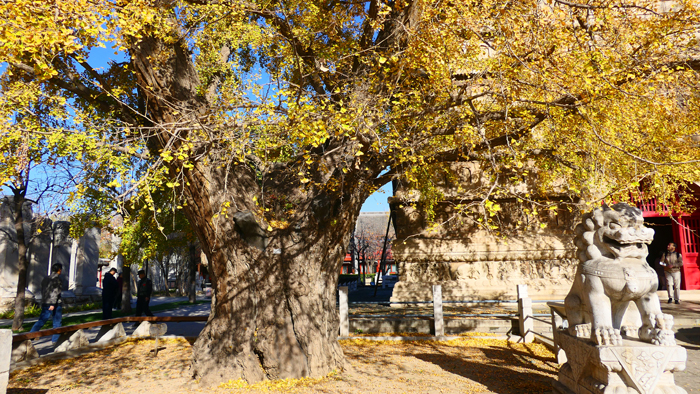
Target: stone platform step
{"x":452,"y":326}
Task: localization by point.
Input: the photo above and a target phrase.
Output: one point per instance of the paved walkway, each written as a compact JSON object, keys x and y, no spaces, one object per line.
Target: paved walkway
{"x":154,"y":301}
{"x":690,"y":378}
{"x":186,"y":329}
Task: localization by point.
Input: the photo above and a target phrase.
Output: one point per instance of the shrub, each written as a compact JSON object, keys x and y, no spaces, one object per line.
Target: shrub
{"x":32,"y":310}
{"x":345,"y":278}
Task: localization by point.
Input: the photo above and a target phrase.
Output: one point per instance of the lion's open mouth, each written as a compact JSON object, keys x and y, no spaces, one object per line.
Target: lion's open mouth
{"x":613,"y":243}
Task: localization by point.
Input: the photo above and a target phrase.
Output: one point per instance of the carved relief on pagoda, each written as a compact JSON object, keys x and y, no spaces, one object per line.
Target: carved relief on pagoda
{"x":531,"y":244}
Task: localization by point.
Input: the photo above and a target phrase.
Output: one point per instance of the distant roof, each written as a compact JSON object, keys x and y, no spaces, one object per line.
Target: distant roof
{"x":374,"y":222}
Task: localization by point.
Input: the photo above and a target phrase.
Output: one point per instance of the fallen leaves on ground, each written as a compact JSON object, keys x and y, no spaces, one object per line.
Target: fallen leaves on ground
{"x":469,"y":364}
{"x":281,"y":385}
{"x":106,"y":370}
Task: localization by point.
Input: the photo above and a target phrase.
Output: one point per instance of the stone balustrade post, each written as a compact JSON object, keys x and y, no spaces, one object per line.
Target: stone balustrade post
{"x":344,"y":320}
{"x":526,"y":318}
{"x":557,"y":323}
{"x":5,"y":355}
{"x":437,"y":311}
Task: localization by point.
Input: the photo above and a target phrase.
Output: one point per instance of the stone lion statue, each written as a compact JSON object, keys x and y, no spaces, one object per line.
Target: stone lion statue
{"x":612,"y":249}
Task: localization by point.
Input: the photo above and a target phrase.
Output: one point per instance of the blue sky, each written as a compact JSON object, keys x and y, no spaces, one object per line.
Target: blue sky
{"x":100,"y":57}
{"x":377,"y":201}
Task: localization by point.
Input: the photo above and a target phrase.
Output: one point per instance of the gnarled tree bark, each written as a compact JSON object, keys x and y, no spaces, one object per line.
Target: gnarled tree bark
{"x":273,"y":311}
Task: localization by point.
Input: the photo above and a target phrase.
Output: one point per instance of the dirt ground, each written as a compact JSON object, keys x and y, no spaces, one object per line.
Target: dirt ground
{"x":465,"y":365}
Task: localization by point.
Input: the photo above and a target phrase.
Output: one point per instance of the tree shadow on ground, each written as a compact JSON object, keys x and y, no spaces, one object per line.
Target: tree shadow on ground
{"x":376,"y":361}
{"x":691,"y":336}
{"x":27,"y":391}
{"x":503,"y":370}
{"x":106,"y":369}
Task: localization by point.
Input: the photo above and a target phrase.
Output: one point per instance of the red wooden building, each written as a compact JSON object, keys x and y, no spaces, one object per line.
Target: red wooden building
{"x":390,"y":264}
{"x":681,"y":228}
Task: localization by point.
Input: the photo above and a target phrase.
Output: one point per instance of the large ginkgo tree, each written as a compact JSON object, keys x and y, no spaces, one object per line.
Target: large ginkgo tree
{"x":270,"y":122}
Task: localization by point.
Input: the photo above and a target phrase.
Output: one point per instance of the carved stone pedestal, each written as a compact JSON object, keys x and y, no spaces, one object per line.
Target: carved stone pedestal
{"x":635,"y":367}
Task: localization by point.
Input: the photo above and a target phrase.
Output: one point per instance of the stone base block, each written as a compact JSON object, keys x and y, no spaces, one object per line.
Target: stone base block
{"x":634,"y":367}
{"x":5,"y":356}
{"x":110,"y":332}
{"x":4,"y":380}
{"x":478,"y":290}
{"x":7,"y":298}
{"x":83,"y":299}
{"x":148,"y":329}
{"x":143,"y":330}
{"x":23,"y":351}
{"x":92,"y":291}
{"x":6,"y":304}
{"x":71,"y":340}
{"x":158,"y":330}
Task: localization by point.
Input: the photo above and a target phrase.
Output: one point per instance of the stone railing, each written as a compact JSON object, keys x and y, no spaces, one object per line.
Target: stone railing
{"x":525,"y":315}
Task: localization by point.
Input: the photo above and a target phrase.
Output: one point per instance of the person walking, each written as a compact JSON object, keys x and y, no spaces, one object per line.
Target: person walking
{"x":51,"y":303}
{"x":109,"y":291}
{"x":118,"y":298}
{"x":143,"y":294}
{"x":672,"y":261}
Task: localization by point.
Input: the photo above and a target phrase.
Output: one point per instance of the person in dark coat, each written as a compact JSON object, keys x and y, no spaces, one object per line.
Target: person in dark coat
{"x":51,"y":303}
{"x":143,"y":294}
{"x":109,"y":291}
{"x":118,"y":298}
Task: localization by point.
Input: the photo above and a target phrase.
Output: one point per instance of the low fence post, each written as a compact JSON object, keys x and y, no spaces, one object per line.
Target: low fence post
{"x":437,"y":311}
{"x":343,"y":301}
{"x":527,"y":321}
{"x":5,"y":355}
{"x":557,"y":323}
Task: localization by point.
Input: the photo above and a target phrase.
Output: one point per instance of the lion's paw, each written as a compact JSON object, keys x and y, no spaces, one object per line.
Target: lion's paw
{"x":664,"y":321}
{"x":581,"y":330}
{"x":659,"y":330}
{"x":657,"y":336}
{"x":663,"y":338}
{"x":607,"y":336}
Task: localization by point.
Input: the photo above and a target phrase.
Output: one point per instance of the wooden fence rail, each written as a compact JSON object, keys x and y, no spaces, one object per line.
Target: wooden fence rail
{"x":126,"y":319}
{"x":20,"y":348}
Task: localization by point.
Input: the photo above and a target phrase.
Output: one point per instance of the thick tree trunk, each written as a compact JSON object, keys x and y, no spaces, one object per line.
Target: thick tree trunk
{"x":164,"y":265}
{"x":274,"y":310}
{"x":166,"y":274}
{"x":22,"y":262}
{"x":179,"y":281}
{"x":273,"y":315}
{"x":126,"y":287}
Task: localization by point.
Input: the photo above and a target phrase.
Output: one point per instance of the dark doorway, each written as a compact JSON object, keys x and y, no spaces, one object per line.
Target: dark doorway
{"x":663,"y":235}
